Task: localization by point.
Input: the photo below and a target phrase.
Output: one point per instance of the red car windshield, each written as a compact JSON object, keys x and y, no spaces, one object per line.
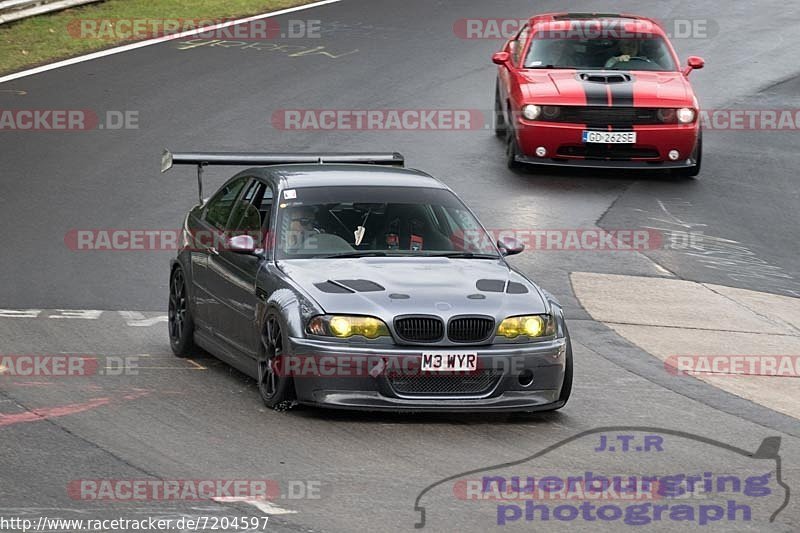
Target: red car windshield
{"x":623,"y":53}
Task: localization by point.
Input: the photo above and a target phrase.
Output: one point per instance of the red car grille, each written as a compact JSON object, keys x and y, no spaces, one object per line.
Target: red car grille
{"x":608,"y":152}
{"x":598,"y":116}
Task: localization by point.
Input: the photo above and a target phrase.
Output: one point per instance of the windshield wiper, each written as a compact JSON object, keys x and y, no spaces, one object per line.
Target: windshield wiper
{"x":464,"y":255}
{"x":362,"y":253}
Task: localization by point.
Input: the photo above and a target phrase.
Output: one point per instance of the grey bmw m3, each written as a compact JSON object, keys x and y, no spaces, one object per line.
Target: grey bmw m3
{"x":349,"y":281}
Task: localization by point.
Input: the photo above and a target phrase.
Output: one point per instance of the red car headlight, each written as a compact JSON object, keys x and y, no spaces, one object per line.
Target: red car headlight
{"x":531,"y":112}
{"x":684,"y":115}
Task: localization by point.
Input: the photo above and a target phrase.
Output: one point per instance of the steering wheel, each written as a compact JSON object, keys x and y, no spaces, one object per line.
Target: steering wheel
{"x":632,"y":58}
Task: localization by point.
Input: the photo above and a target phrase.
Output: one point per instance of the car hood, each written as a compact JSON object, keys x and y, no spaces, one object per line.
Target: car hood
{"x":564,"y":87}
{"x":388,"y":287}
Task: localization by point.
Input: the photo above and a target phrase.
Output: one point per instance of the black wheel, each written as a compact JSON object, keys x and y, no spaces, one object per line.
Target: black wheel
{"x":512,"y":150}
{"x":566,"y":387}
{"x":180,"y":322}
{"x":697,"y":155}
{"x":276,"y":388}
{"x":499,"y":119}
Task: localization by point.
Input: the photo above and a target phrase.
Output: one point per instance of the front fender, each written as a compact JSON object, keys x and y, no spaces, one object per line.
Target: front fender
{"x":295,"y":309}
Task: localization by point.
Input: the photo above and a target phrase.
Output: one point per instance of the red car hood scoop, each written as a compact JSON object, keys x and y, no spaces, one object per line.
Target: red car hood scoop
{"x":604,"y":78}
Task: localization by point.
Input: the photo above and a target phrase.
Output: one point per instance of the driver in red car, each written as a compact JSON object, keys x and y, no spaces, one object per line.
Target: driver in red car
{"x":628,"y":48}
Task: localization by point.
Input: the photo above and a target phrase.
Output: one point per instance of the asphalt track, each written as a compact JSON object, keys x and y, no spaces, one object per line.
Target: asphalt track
{"x":178,"y":420}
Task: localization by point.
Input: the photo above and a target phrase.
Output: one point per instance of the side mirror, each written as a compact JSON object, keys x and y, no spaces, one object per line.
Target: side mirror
{"x":242,"y":244}
{"x":694,"y":63}
{"x":501,"y":58}
{"x":510,"y":246}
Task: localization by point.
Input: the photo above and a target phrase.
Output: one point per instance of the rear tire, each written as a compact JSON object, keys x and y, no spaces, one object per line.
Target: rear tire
{"x":275,"y":387}
{"x":179,"y":320}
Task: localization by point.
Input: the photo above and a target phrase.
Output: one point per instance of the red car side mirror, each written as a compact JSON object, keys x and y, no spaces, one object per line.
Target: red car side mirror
{"x":694,"y":63}
{"x":501,"y":58}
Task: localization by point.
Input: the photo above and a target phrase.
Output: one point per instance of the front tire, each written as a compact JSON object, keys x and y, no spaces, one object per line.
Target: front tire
{"x":500,"y":126}
{"x":179,"y":320}
{"x":693,"y":172}
{"x":566,"y":386}
{"x":512,"y":150}
{"x":274,"y":386}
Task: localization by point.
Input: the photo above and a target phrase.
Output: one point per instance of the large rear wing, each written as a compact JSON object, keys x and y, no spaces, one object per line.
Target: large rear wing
{"x":202,"y":159}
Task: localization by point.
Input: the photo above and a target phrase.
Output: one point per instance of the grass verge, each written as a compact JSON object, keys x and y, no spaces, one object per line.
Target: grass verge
{"x":47,"y":38}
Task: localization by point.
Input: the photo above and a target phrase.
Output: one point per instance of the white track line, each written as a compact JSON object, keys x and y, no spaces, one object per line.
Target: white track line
{"x":141,"y":44}
{"x":131,"y":318}
{"x":262,"y":505}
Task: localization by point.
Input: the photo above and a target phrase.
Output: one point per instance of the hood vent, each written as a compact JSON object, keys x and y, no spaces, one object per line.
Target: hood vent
{"x":516,"y":288}
{"x":360,"y":285}
{"x":604,"y":78}
{"x":348,"y":286}
{"x":333,"y":288}
{"x":491,"y":285}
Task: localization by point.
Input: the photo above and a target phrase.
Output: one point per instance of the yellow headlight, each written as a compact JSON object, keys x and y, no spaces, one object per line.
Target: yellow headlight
{"x":371,"y":328}
{"x":530,"y":326}
{"x":533,"y":326}
{"x":341,"y":326}
{"x":348,"y":326}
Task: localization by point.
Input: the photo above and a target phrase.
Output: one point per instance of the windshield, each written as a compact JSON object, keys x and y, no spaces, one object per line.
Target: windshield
{"x":363,"y":221}
{"x":622,"y":53}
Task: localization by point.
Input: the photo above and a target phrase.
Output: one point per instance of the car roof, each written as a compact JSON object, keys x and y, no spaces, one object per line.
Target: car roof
{"x":338,"y":175}
{"x":631,"y":23}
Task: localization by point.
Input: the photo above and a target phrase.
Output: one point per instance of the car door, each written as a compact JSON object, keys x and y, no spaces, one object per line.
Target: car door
{"x":233,"y":274}
{"x":207,"y":234}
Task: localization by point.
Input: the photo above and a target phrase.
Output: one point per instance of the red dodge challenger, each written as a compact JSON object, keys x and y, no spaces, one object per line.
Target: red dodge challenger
{"x":592,"y":90}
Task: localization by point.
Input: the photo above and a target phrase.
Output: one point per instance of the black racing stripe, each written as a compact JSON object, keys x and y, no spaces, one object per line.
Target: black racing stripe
{"x":622,"y":96}
{"x":596,"y":95}
{"x":595,"y":92}
{"x":622,"y":93}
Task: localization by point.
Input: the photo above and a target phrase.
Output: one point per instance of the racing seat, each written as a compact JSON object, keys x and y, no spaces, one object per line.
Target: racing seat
{"x":406,"y":220}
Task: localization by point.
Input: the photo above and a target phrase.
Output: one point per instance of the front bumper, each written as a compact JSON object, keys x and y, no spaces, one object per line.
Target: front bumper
{"x":564,"y":146}
{"x":364,"y":377}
